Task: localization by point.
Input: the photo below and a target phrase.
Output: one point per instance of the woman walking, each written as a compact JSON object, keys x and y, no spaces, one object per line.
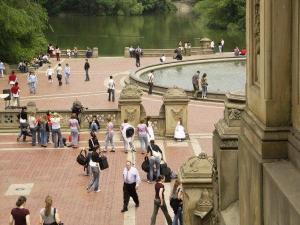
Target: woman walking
{"x":142,"y":133}
{"x":49,"y":215}
{"x":204,"y":85}
{"x":159,"y":201}
{"x":150,"y":129}
{"x":20,"y":215}
{"x":109,"y":136}
{"x":95,"y":169}
{"x":93,"y":146}
{"x":176,"y":202}
{"x":74,"y":126}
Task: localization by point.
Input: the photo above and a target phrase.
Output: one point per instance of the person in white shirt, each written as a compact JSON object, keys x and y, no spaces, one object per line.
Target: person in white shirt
{"x":56,"y":132}
{"x":67,"y":72}
{"x":32,"y":82}
{"x":150,"y":81}
{"x":127,"y":134}
{"x":111,"y":89}
{"x":49,"y":73}
{"x":95,"y":169}
{"x":132,"y":180}
{"x":212,"y":45}
{"x":2,"y":68}
{"x":222,"y":44}
{"x":69,"y":53}
{"x":162,"y":59}
{"x":59,"y":74}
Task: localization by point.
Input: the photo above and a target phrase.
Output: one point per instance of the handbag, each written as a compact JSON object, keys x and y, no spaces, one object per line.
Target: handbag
{"x":103,"y":162}
{"x":81,"y":158}
{"x":146,"y":165}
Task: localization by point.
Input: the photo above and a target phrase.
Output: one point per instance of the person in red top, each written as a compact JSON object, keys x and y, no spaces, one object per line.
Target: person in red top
{"x":15,"y":94}
{"x":20,"y":215}
{"x":12,"y":78}
{"x":243,"y":52}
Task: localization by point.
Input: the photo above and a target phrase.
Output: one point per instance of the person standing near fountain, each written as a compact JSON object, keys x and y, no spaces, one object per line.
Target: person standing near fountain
{"x":86,"y":68}
{"x":67,"y":73}
{"x":111,"y":89}
{"x":195,"y":81}
{"x":204,"y":85}
{"x":150,"y":81}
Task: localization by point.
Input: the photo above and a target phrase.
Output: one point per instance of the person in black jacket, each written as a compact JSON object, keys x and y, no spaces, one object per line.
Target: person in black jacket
{"x":93,"y":146}
{"x":86,"y":68}
{"x":23,"y":119}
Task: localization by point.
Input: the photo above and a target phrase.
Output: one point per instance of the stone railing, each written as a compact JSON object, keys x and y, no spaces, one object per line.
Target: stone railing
{"x":130,"y":107}
{"x":80,"y":53}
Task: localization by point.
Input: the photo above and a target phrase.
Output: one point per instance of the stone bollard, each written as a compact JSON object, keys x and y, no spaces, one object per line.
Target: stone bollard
{"x":175,"y":107}
{"x":196,"y":177}
{"x":130,"y":104}
{"x":95,"y":52}
{"x":31,"y":107}
{"x":126,"y":52}
{"x":205,"y":43}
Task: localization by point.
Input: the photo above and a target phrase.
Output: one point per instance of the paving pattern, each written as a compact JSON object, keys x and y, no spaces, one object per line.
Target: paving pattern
{"x":54,"y":171}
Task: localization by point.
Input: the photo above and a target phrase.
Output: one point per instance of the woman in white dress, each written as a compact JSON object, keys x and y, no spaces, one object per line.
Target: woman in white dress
{"x":179,"y":133}
{"x":150,"y":129}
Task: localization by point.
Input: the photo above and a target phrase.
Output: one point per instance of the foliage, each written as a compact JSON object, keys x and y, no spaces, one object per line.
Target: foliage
{"x":21,"y":30}
{"x":222,"y":14}
{"x":108,"y":7}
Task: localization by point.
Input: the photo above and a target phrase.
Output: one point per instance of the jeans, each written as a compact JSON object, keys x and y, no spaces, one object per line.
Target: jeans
{"x":44,"y":137}
{"x":109,"y":139}
{"x":163,"y":208}
{"x":178,"y":217}
{"x":87,"y":78}
{"x":94,"y":182}
{"x":144,"y":142}
{"x":204,"y":91}
{"x":74,"y":136}
{"x":67,"y":76}
{"x":154,"y":161}
{"x":32,"y":87}
{"x":111,"y":95}
{"x":34,"y":134}
{"x":57,"y":138}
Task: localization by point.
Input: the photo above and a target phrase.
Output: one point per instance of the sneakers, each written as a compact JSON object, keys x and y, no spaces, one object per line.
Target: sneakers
{"x":124,"y":210}
{"x":97,"y":191}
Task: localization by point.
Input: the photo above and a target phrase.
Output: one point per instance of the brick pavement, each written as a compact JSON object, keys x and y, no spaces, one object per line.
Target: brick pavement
{"x":55,"y":172}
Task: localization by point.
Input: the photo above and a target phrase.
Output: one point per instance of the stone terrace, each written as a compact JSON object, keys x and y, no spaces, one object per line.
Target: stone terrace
{"x":55,"y":171}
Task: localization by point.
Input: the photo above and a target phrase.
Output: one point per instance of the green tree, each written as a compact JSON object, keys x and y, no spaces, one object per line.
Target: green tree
{"x":222,"y":14}
{"x":21,"y":30}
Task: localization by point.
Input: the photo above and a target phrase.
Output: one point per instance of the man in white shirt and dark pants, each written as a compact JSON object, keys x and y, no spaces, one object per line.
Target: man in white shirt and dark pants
{"x":131,"y":179}
{"x":150,"y":81}
{"x":111,"y":89}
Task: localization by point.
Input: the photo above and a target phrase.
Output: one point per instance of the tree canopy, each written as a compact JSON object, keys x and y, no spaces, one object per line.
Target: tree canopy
{"x":108,"y":7}
{"x":21,"y":30}
{"x":222,"y":14}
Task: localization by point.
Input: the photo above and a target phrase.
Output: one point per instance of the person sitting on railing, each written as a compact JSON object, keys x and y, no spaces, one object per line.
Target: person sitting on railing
{"x":45,"y":58}
{"x":89,"y":53}
{"x":69,"y":53}
{"x":23,"y":67}
{"x":178,"y":53}
{"x":236,"y":51}
{"x":74,"y":52}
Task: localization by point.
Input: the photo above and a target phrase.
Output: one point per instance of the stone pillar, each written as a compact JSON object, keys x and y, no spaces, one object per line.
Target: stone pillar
{"x":205,"y":43}
{"x":126,"y":52}
{"x":225,"y":151}
{"x":266,"y":122}
{"x":95,"y":52}
{"x":130,"y":104}
{"x":196,"y":177}
{"x":31,"y":107}
{"x":175,"y":104}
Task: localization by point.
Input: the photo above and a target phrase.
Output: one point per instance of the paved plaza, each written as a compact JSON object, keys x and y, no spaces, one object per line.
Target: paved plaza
{"x":37,"y":171}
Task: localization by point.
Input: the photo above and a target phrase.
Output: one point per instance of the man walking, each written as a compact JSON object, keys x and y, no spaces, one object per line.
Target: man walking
{"x":59,"y":74}
{"x":86,"y":68}
{"x":2,"y":68}
{"x":111,"y":89}
{"x":195,"y":81}
{"x":49,"y":73}
{"x":150,"y":81}
{"x":131,"y":179}
{"x":67,"y":73}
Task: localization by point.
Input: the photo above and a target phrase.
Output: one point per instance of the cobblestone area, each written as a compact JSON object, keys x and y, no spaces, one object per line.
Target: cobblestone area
{"x":55,"y":171}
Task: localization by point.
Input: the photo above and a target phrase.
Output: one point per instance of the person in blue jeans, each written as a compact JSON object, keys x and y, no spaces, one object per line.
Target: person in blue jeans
{"x":176,"y":203}
{"x":95,"y":169}
{"x":154,"y":155}
{"x":143,"y":133}
{"x":44,"y":130}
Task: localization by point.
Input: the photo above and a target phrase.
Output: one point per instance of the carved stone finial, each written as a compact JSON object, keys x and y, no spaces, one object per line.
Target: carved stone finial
{"x":175,"y":93}
{"x":131,"y":91}
{"x":204,"y":206}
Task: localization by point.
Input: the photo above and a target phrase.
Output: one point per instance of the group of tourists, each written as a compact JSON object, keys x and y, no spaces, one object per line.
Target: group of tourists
{"x":220,"y":47}
{"x":197,"y":82}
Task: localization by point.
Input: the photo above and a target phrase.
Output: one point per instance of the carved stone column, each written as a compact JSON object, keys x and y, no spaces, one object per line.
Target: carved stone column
{"x":130,"y":104}
{"x":175,"y":105}
{"x":196,"y":177}
{"x":225,"y":151}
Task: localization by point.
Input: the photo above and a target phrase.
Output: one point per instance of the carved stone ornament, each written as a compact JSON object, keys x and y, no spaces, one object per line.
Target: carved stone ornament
{"x":204,"y":206}
{"x":197,"y":167}
{"x":234,"y":114}
{"x":257,"y":26}
{"x":229,"y":144}
{"x":130,"y":113}
{"x":131,"y":91}
{"x":177,"y":113}
{"x":175,"y":93}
